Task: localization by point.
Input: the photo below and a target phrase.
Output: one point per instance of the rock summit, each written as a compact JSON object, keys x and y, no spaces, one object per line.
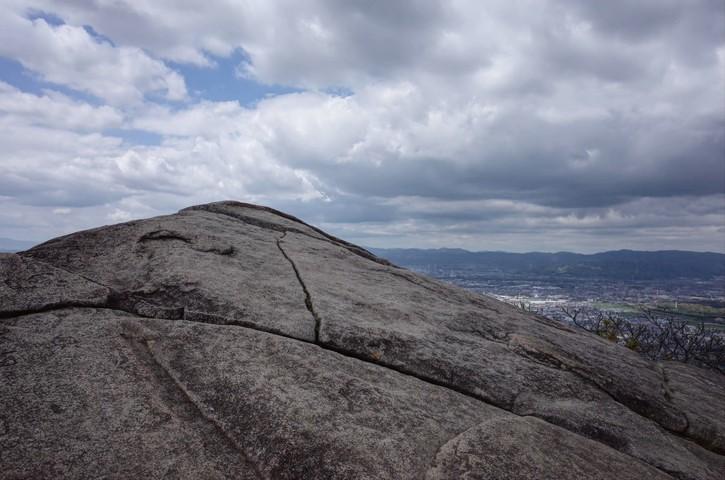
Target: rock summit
{"x":231,"y":340}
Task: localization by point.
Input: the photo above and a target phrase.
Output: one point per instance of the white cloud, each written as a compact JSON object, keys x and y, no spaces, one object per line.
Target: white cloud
{"x":561,"y":118}
{"x":70,"y":56}
{"x":322,"y":43}
{"x":53,"y":109}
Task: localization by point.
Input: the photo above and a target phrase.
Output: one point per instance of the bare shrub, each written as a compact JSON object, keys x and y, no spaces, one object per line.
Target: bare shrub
{"x":655,"y":336}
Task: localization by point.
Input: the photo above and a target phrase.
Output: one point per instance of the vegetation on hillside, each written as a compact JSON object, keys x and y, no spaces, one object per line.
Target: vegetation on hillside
{"x":657,"y":335}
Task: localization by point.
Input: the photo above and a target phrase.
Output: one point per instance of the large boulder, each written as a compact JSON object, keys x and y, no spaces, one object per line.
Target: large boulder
{"x":234,"y":341}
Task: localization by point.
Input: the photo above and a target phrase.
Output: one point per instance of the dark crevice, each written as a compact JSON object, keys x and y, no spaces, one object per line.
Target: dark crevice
{"x":308,"y":297}
{"x":224,"y":251}
{"x":554,"y":363}
{"x":212,"y":319}
{"x":113,"y":300}
{"x":402,"y":370}
{"x":163,"y":235}
{"x":138,"y":306}
{"x":53,"y":306}
{"x":199,"y":317}
{"x":338,"y":241}
{"x":707,"y":444}
{"x":130,"y":304}
{"x":665,"y":382}
{"x":550,"y":361}
{"x":257,"y":222}
{"x":434,"y":381}
{"x":168,"y":235}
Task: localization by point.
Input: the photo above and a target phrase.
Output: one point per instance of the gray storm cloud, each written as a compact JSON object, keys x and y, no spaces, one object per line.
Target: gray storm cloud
{"x":561,"y":125}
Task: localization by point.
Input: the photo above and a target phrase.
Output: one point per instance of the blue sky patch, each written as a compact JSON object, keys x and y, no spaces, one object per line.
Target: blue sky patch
{"x":221,"y":82}
{"x":13,"y":73}
{"x":50,"y":19}
{"x":133,"y":136}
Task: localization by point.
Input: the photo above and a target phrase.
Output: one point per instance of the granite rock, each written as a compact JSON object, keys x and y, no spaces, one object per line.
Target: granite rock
{"x":230,"y":340}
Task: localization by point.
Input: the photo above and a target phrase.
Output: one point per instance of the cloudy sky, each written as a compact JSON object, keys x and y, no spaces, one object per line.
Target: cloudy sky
{"x":501,"y":125}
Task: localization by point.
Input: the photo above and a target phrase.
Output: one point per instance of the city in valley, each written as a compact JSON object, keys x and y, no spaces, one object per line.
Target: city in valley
{"x":624,"y":284}
{"x":694,"y":300}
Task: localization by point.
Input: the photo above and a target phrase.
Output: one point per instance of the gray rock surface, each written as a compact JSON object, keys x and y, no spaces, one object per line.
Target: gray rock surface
{"x":234,"y":341}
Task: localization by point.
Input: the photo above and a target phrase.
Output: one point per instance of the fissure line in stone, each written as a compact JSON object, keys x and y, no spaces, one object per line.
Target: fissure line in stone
{"x":308,"y":297}
{"x":396,"y":368}
{"x":284,"y":229}
{"x":117,"y":301}
{"x":145,"y":348}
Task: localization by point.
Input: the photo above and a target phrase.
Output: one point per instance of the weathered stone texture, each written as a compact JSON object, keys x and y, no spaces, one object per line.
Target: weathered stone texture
{"x":234,"y":341}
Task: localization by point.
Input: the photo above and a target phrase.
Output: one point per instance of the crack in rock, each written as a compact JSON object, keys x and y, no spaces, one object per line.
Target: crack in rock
{"x":163,"y":235}
{"x":308,"y":297}
{"x":167,"y":235}
{"x":214,"y":319}
{"x":550,"y":361}
{"x":145,"y":347}
{"x":223,"y":321}
{"x":257,"y":222}
{"x":137,"y":306}
{"x":665,"y":382}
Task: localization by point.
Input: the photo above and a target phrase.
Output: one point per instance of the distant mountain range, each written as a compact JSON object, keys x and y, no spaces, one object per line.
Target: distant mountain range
{"x":10,"y":245}
{"x":620,"y":264}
